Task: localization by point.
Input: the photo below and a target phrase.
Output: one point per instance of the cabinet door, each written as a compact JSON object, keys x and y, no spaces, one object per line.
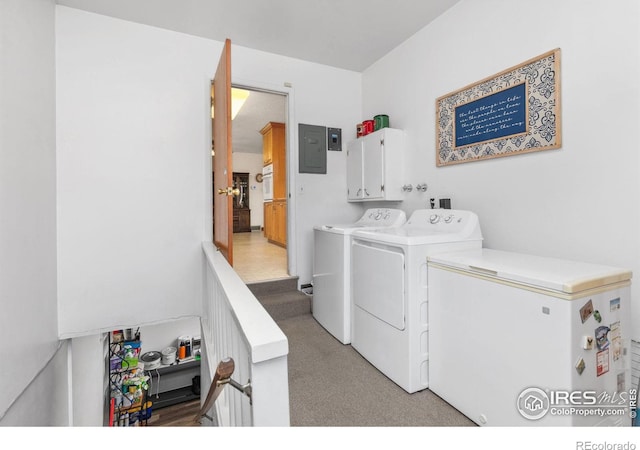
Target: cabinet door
{"x":236,"y":221}
{"x":267,"y":148}
{"x":281,"y":223}
{"x":244,"y":220}
{"x":268,"y":220}
{"x":279,"y":159}
{"x":267,"y":144}
{"x":354,"y":170}
{"x":373,"y":168}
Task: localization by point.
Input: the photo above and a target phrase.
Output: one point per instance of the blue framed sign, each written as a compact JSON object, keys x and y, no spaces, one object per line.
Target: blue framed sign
{"x":493,"y":116}
{"x":513,"y":112}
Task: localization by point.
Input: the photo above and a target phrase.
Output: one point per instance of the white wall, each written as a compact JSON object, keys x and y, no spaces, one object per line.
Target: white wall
{"x":130,"y":173}
{"x":134,"y":185}
{"x":45,"y":403}
{"x":89,"y":382}
{"x":579,"y":202}
{"x":28,"y":324}
{"x":160,"y":336}
{"x":252,"y":163}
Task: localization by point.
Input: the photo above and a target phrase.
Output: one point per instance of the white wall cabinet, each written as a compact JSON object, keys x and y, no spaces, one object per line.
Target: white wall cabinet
{"x":375,"y":166}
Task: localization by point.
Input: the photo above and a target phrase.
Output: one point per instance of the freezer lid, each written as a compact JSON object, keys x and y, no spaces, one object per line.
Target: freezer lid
{"x":542,"y":272}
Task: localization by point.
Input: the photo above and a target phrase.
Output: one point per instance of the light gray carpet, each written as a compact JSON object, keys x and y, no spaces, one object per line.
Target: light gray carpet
{"x":330,"y":384}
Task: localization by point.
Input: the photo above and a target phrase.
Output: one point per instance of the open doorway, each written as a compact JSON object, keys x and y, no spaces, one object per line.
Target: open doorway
{"x":259,"y":209}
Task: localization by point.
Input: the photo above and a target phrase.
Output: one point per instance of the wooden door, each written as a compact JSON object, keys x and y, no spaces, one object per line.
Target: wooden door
{"x":222,"y":169}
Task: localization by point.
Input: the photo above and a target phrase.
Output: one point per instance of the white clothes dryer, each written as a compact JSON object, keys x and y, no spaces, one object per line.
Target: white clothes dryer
{"x":331,"y":305}
{"x":389,"y":289}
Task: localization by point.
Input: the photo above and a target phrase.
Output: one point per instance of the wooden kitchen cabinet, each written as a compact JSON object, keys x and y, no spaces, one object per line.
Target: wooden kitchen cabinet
{"x":275,"y":212}
{"x":268,"y":220}
{"x":273,"y":152}
{"x":241,"y":220}
{"x":275,"y":222}
{"x":280,"y":222}
{"x":273,"y":142}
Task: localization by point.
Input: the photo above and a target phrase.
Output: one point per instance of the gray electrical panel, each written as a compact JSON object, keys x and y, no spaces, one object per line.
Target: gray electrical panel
{"x":312,"y":143}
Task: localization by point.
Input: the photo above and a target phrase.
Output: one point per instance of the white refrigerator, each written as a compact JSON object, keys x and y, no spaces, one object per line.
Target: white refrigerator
{"x":522,"y":340}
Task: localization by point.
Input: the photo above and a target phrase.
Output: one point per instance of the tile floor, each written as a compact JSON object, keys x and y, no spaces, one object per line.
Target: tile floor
{"x":255,"y":259}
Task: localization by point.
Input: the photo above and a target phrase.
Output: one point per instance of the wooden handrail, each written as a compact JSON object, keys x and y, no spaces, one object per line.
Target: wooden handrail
{"x":222,"y":376}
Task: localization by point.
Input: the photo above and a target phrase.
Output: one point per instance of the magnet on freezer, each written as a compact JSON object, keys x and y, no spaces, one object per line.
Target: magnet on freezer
{"x":621,"y":383}
{"x":602,"y":362}
{"x":602,"y":340}
{"x":587,"y":342}
{"x":580,"y":366}
{"x":616,"y":340}
{"x":614,"y":304}
{"x":586,"y":311}
{"x":597,"y":316}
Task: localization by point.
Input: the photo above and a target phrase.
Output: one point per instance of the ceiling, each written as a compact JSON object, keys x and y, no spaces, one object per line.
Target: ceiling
{"x":347,"y":34}
{"x":350,"y":34}
{"x":260,"y":108}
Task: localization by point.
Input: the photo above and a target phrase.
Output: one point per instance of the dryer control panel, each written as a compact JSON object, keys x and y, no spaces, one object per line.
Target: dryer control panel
{"x":445,"y":220}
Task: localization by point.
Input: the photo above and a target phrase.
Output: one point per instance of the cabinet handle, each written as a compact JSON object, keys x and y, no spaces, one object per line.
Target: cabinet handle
{"x":365,"y":191}
{"x":358,"y":193}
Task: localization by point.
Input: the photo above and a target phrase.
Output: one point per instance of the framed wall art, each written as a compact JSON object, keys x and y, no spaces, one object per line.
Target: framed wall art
{"x":513,"y":112}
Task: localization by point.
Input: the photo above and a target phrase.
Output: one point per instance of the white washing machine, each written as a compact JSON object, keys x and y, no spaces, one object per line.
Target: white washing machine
{"x":331,"y":263}
{"x":389,"y":288}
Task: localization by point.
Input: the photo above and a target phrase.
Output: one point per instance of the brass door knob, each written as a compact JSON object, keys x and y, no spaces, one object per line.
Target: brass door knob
{"x":229,"y":191}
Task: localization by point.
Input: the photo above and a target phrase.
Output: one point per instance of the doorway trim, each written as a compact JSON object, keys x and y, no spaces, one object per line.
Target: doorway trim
{"x":287,"y":90}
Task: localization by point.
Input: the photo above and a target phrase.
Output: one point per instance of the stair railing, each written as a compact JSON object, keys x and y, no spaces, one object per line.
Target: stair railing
{"x":221,"y":378}
{"x":239,"y":333}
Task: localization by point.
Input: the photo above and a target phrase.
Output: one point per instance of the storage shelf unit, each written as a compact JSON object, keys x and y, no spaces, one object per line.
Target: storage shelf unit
{"x":128,"y":383}
{"x":169,"y":376}
{"x":375,"y":165}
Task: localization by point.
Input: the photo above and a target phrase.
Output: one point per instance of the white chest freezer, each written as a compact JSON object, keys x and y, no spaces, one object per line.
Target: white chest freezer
{"x":521,"y":340}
